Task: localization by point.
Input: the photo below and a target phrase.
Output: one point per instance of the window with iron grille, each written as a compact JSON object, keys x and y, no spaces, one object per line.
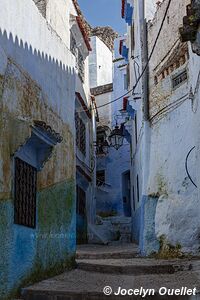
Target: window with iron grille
{"x":25,"y":194}
{"x":101,"y":177}
{"x":179,"y":79}
{"x":81,"y":66}
{"x":101,"y":138}
{"x":80,"y":134}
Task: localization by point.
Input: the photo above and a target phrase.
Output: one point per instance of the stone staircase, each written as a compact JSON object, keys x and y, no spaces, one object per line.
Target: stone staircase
{"x":116,"y":266}
{"x":111,"y":230}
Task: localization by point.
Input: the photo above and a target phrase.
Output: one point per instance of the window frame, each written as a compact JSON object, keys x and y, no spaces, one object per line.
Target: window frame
{"x":80,"y":133}
{"x":179,"y":76}
{"x":103,"y":174}
{"x":24,"y":208}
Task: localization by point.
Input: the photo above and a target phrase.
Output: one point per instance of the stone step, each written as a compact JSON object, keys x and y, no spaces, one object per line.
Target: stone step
{"x":82,"y":285}
{"x":94,"y":256}
{"x":125,"y":238}
{"x":115,"y":250}
{"x":137,"y":266}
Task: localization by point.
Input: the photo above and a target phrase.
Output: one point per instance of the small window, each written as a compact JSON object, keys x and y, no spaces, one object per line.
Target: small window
{"x":25,"y":194}
{"x":179,"y":79}
{"x":80,"y":134}
{"x":101,"y":139}
{"x":138,"y":189}
{"x":101,"y":177}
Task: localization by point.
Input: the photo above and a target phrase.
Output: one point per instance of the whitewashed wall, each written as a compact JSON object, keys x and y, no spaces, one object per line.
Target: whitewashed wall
{"x":172,"y":137}
{"x":100,"y":63}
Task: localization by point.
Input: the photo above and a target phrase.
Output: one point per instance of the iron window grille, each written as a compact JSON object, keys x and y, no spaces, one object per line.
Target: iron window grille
{"x":81,"y":66}
{"x":80,"y":63}
{"x":101,"y":138}
{"x":179,"y":79}
{"x":25,"y":194}
{"x":80,"y":134}
{"x":101,"y":177}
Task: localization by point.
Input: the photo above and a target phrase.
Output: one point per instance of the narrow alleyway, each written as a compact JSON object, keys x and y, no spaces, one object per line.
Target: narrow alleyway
{"x":99,"y":149}
{"x":116,"y":266}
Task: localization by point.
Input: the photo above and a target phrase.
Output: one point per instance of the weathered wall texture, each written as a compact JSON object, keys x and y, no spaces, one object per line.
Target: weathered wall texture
{"x":168,"y":203}
{"x":37,"y":82}
{"x":174,"y":131}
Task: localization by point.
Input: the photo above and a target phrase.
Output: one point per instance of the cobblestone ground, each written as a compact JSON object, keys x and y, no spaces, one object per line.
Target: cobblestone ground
{"x":96,"y":268}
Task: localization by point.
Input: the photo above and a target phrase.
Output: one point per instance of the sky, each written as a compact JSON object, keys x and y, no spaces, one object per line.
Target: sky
{"x":103,"y":13}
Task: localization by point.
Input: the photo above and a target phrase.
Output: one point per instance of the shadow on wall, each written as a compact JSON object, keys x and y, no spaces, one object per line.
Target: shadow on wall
{"x":28,"y":255}
{"x":49,"y":73}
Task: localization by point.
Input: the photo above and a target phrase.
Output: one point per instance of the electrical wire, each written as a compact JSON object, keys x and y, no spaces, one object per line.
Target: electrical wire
{"x":154,"y":46}
{"x":147,"y":63}
{"x":171,"y":105}
{"x":186,"y":166}
{"x":171,"y":109}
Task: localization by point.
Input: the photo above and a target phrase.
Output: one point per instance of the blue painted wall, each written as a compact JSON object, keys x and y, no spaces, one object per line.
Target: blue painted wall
{"x":144,"y":226}
{"x":28,"y":254}
{"x":116,"y":162}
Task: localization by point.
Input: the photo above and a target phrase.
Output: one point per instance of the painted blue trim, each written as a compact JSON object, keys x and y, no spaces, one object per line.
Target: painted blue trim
{"x":130,"y":110}
{"x":125,"y":52}
{"x":128,"y":13}
{"x":82,"y":181}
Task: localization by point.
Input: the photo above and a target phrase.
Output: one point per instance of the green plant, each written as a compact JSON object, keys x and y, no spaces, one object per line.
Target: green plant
{"x":168,"y":251}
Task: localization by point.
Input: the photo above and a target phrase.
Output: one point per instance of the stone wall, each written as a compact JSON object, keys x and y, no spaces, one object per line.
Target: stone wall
{"x":41,"y":5}
{"x":106,"y":35}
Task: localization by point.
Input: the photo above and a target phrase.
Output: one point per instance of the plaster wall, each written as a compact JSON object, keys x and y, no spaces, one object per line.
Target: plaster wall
{"x":100,"y":63}
{"x":105,"y":115}
{"x":137,"y":133}
{"x":110,"y":197}
{"x":173,"y":134}
{"x":37,"y":82}
{"x":58,"y":16}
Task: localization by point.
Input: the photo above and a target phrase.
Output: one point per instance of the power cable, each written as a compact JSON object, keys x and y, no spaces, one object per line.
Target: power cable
{"x":186,"y":166}
{"x":163,"y":110}
{"x":142,"y":73}
{"x":171,"y":109}
{"x":154,"y":46}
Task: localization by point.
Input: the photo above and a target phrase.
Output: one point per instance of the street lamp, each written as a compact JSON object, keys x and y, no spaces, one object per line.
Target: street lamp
{"x":116,"y":138}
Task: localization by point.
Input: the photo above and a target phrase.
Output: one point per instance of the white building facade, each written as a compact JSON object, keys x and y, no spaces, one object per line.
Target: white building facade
{"x":165,"y":205}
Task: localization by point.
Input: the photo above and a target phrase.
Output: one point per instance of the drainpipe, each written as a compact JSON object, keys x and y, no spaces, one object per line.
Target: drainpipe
{"x":93,"y":205}
{"x":145,"y":84}
{"x":146,"y":75}
{"x":146,"y":124}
